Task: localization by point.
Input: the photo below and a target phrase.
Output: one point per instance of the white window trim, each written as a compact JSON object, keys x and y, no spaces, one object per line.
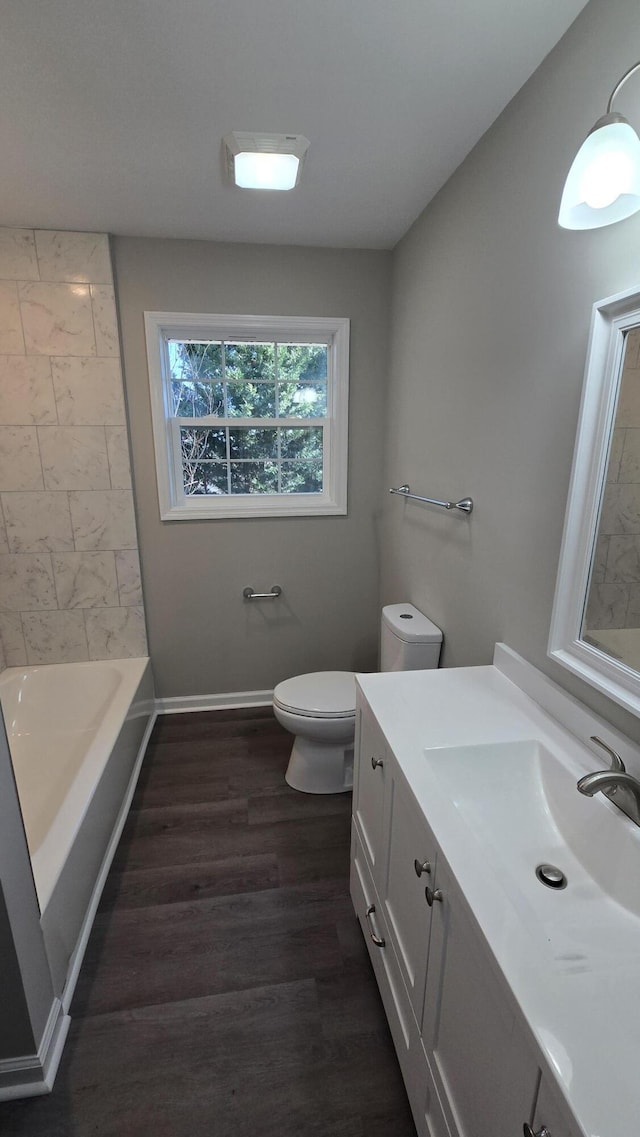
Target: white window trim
{"x":174,"y":506}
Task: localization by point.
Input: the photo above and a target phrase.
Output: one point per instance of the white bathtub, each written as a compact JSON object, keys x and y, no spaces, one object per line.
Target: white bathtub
{"x":77,"y":733}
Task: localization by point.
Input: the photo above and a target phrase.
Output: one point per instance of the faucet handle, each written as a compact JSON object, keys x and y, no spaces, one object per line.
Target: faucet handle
{"x":616,"y":760}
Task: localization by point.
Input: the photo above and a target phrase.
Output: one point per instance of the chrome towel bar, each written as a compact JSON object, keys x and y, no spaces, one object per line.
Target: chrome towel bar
{"x":465,"y":505}
{"x":249,"y":594}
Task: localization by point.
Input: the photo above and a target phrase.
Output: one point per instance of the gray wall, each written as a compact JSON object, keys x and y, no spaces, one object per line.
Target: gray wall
{"x":203,"y":638}
{"x":491,"y":311}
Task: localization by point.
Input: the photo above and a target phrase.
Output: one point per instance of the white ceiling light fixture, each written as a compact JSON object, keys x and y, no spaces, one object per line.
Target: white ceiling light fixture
{"x":264,"y":161}
{"x":603,"y":184}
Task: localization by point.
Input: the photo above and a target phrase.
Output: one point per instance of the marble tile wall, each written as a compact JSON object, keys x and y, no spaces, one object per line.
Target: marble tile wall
{"x":614,"y":599}
{"x":69,"y":571}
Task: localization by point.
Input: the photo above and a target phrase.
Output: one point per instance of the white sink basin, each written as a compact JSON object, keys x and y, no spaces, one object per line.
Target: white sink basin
{"x":520,"y":808}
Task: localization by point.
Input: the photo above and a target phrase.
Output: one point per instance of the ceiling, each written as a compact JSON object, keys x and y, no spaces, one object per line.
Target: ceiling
{"x":115,"y":109}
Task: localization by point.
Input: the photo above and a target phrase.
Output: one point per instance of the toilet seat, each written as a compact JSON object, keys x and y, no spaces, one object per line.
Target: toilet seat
{"x":319,"y":695}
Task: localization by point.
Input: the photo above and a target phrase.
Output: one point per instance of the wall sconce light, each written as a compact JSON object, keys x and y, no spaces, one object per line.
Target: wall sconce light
{"x":603,"y":184}
{"x":264,"y":161}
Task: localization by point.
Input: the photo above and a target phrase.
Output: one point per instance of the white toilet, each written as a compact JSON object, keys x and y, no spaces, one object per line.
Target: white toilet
{"x":320,"y":708}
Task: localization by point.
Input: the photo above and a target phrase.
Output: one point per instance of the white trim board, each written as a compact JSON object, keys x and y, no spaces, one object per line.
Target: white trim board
{"x":39,"y":1070}
{"x":225,"y":701}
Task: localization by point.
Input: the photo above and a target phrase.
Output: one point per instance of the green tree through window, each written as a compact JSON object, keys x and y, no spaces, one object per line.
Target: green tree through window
{"x":264,"y":386}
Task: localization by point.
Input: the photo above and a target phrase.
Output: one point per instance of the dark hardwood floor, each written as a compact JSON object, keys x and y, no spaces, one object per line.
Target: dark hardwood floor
{"x":226,"y":988}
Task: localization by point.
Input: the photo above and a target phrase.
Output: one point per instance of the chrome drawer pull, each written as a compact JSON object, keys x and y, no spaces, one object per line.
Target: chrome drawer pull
{"x":375,"y":762}
{"x":529,"y":1132}
{"x":378,"y":941}
{"x":436,"y":894}
{"x":421,"y":866}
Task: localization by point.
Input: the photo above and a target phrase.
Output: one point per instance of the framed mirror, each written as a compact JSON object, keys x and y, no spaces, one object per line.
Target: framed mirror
{"x":595,"y":625}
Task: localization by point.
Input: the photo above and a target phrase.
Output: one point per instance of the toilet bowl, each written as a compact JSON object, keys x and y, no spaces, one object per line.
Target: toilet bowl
{"x":320,"y":708}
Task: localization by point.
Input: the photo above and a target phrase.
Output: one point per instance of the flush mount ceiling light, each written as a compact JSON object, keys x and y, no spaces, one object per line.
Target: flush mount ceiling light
{"x":603,"y":184}
{"x":264,"y":161}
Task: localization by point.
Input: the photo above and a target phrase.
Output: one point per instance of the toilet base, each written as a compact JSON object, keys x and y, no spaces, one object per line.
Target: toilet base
{"x":318,"y":768}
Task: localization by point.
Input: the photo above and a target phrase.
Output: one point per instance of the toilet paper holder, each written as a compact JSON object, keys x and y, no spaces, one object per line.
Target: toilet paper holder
{"x":249,"y":593}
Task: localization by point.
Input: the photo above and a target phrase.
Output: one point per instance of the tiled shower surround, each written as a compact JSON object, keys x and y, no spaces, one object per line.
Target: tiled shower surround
{"x":69,"y":572}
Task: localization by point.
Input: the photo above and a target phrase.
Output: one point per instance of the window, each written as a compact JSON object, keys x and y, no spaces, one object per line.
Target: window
{"x":249,"y":414}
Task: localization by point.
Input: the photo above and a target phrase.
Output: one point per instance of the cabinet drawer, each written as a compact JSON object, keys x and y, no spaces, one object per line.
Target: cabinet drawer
{"x":404,"y":1030}
{"x":370,"y":778}
{"x":409,"y":870}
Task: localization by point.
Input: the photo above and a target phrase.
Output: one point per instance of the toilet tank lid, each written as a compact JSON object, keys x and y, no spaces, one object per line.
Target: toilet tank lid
{"x":410,"y":625}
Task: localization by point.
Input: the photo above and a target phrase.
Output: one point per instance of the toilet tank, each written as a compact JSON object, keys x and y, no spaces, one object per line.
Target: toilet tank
{"x":408,"y":639}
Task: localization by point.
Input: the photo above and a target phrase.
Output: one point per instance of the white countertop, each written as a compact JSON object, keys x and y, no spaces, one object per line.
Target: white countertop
{"x":581,"y":1001}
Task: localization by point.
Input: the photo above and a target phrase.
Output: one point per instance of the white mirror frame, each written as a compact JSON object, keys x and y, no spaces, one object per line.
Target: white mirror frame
{"x":611,"y":318}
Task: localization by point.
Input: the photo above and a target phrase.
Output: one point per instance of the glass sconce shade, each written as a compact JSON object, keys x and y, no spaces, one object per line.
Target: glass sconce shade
{"x":603,"y":184}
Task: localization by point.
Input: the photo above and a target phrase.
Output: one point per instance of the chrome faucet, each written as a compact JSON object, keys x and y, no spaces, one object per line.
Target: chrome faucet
{"x":615,"y":783}
{"x":616,"y":761}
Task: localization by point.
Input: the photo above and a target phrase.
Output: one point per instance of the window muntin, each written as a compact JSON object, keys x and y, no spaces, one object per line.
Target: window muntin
{"x":252,"y":424}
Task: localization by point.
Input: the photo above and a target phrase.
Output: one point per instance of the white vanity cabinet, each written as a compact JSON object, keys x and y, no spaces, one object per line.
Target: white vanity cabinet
{"x":479,"y":1056}
{"x":407,"y":871}
{"x":400,"y":853}
{"x":369,"y":786}
{"x":402,"y":1022}
{"x":468,"y":1062}
{"x":551,"y":1115}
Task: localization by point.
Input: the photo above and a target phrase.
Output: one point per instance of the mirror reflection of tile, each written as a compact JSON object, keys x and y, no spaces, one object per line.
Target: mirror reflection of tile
{"x":612,"y":619}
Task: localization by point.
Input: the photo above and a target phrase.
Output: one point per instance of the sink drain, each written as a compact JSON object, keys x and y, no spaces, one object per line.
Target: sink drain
{"x":551,"y":876}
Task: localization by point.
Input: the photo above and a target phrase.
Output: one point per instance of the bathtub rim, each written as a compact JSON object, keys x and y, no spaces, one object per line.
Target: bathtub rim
{"x":48,"y":860}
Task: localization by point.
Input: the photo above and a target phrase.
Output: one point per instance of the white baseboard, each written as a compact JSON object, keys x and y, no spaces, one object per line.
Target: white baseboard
{"x":34,"y":1074}
{"x":75,"y":963}
{"x":224,"y":702}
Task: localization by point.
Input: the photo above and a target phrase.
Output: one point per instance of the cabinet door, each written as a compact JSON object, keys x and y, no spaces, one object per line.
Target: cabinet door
{"x":371,"y":767}
{"x":404,"y":1029}
{"x":482,"y":1068}
{"x":434,"y":1122}
{"x":409,"y":870}
{"x":551,"y":1115}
